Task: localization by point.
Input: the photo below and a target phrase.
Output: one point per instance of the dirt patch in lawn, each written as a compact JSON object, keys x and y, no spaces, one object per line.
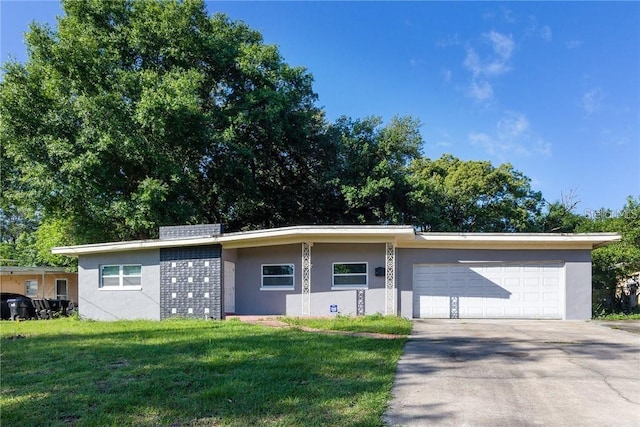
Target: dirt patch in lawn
{"x":275,"y":323}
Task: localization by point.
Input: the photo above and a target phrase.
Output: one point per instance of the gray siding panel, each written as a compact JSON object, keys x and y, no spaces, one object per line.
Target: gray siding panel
{"x":100,"y":304}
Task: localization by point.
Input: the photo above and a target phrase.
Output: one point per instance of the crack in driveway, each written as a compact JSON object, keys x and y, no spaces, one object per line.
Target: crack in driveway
{"x":487,"y":373}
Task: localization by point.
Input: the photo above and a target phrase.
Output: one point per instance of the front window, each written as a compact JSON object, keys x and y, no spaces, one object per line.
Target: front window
{"x":277,"y":276}
{"x":121,"y":276}
{"x":350,"y":275}
{"x":31,"y":288}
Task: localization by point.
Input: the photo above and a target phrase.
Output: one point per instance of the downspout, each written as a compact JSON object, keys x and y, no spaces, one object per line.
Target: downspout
{"x":44,"y":284}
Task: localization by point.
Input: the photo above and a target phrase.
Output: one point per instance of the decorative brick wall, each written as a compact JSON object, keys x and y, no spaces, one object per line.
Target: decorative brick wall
{"x":191,"y":277}
{"x":190,"y":231}
{"x":191,"y":282}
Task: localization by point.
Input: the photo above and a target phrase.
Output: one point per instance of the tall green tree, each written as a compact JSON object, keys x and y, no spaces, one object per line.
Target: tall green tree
{"x":560,"y":216}
{"x":370,"y":171}
{"x":449,"y":194}
{"x":134,"y":114}
{"x":615,"y":262}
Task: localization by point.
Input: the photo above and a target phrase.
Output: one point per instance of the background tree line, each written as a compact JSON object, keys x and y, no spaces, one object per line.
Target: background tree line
{"x":135,"y":114}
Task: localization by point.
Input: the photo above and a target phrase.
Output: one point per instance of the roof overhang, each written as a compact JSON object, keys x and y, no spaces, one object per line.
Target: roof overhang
{"x":249,"y":239}
{"x":512,"y":241}
{"x":17,"y":271}
{"x":401,"y":236}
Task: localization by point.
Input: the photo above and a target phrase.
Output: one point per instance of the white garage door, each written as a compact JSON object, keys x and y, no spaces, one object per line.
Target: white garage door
{"x":496,"y":290}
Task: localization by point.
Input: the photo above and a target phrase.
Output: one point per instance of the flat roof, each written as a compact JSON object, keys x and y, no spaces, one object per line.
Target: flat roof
{"x":9,"y":270}
{"x":403,"y":236}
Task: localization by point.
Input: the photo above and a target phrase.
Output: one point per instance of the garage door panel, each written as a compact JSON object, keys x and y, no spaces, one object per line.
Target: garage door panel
{"x":437,"y":307}
{"x":490,"y":290}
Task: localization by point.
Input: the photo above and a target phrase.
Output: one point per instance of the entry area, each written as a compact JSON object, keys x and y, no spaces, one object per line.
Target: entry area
{"x":489,"y":290}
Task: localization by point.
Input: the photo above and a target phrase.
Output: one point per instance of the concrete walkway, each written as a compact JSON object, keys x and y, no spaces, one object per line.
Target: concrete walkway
{"x":517,"y":373}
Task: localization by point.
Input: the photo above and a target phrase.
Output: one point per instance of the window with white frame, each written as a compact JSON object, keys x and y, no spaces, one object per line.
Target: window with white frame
{"x":350,"y":275}
{"x":277,"y":276}
{"x":121,"y":276}
{"x":31,"y":288}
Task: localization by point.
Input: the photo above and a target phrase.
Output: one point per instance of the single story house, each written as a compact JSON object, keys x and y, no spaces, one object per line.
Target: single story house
{"x":199,"y":271}
{"x":40,"y":282}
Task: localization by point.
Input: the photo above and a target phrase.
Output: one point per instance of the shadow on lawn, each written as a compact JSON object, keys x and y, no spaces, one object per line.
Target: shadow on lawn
{"x":206,"y":374}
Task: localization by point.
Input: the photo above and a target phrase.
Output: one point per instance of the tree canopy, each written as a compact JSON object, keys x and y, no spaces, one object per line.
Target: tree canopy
{"x":450,"y":194}
{"x":135,"y":114}
{"x":616,"y":262}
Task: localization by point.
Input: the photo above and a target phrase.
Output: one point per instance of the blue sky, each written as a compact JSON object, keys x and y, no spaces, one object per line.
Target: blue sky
{"x":550,"y":87}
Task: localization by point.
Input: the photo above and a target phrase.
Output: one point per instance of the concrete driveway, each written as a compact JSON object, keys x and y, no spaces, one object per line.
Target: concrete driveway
{"x":517,"y":373}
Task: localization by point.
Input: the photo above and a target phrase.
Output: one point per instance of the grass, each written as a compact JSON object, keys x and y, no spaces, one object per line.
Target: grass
{"x":191,"y":373}
{"x":376,"y":323}
{"x":619,"y":316}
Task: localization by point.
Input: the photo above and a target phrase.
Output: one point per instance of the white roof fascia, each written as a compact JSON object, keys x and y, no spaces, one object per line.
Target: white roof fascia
{"x":270,"y":237}
{"x":318,"y":234}
{"x":402,"y":236}
{"x":512,"y":240}
{"x":132,"y":245}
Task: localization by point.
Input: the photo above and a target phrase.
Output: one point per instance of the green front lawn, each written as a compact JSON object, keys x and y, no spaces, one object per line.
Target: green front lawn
{"x":190,"y":372}
{"x":375,"y":323}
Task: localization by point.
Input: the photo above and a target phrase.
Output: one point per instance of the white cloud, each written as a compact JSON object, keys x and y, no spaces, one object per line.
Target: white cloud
{"x":451,"y":40}
{"x":545,"y":33}
{"x":472,"y":62}
{"x":444,"y":139}
{"x":512,"y":137}
{"x":542,"y":147}
{"x":490,"y":144}
{"x":492,"y":64}
{"x":512,"y":125}
{"x":446,"y":74}
{"x":480,"y":90}
{"x":573,"y":44}
{"x":502,"y":44}
{"x":618,"y":137}
{"x":509,"y":16}
{"x":536,"y":30}
{"x":592,"y":100}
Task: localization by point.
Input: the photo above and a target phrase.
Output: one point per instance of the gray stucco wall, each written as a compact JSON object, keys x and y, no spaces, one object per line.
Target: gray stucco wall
{"x":101,"y":304}
{"x":578,"y":289}
{"x":250,"y":299}
{"x":230,"y":255}
{"x":577,"y":272}
{"x":323,"y":255}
